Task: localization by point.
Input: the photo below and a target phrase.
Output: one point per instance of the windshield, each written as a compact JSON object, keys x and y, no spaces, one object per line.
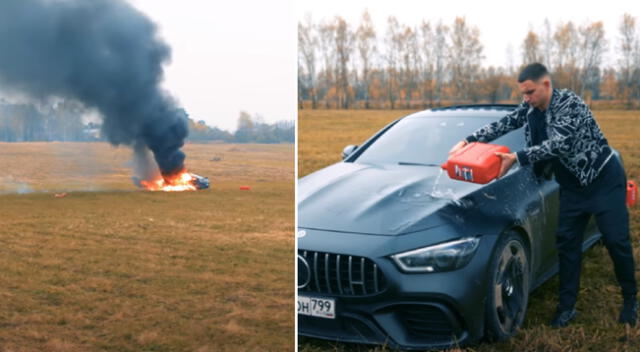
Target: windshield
{"x":428,"y":140}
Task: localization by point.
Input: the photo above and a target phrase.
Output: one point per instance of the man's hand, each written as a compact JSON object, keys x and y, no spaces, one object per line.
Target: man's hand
{"x":457,"y":147}
{"x":508,"y":159}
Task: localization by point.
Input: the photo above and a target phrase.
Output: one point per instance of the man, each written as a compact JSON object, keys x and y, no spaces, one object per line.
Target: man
{"x":560,"y":130}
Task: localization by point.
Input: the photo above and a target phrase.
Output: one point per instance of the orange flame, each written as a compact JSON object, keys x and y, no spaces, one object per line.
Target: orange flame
{"x":182,"y":181}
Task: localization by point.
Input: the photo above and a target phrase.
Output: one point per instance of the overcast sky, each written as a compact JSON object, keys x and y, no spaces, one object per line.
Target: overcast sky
{"x":229,"y":56}
{"x":501,"y":23}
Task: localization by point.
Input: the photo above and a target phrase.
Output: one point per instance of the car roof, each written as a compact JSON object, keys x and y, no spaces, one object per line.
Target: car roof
{"x":477,"y":110}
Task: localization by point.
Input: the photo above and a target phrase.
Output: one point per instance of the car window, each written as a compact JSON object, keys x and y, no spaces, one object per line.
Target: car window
{"x":428,"y":140}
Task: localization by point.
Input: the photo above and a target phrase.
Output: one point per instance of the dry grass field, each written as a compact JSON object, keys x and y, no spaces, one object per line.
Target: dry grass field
{"x":113,"y":268}
{"x":322,"y":134}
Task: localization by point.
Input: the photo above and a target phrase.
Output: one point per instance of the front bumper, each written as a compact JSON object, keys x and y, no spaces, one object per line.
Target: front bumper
{"x":406,"y":324}
{"x":411,"y":311}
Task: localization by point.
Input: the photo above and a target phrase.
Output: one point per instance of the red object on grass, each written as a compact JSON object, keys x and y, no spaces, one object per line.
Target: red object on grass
{"x":245,"y":188}
{"x":632,"y":193}
{"x":476,"y":162}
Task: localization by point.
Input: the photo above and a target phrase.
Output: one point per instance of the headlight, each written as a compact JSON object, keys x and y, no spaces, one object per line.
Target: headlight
{"x":442,"y":257}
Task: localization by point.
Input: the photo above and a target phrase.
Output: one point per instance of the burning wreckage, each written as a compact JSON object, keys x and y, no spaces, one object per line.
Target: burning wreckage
{"x":183,"y":181}
{"x":152,"y":169}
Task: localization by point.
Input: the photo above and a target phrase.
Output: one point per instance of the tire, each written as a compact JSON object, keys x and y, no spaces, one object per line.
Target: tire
{"x":508,"y":290}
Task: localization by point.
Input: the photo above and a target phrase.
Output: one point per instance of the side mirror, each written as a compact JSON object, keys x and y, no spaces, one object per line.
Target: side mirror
{"x":348,"y":150}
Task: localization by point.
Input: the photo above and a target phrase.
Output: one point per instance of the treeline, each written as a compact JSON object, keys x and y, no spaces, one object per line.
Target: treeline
{"x":251,"y":129}
{"x":64,"y":121}
{"x":61,"y":121}
{"x":345,"y":66}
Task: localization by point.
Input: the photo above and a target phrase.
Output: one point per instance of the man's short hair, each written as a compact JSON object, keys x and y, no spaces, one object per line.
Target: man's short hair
{"x":532,"y":72}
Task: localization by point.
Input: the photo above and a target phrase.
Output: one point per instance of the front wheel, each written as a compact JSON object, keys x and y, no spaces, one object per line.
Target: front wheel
{"x":508,"y":291}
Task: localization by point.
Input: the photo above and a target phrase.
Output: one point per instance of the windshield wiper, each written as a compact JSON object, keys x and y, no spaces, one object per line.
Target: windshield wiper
{"x":419,"y":164}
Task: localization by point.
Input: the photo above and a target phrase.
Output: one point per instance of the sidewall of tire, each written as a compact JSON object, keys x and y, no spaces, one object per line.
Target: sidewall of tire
{"x":493,"y":329}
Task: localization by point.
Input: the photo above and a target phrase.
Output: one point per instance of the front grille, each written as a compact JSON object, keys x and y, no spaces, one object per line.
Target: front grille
{"x":424,"y":321}
{"x":339,"y":274}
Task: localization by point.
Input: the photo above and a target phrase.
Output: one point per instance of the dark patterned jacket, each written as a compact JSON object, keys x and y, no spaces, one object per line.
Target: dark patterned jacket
{"x":574,"y":136}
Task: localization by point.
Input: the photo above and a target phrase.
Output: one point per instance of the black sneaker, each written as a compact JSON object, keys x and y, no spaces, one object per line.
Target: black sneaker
{"x":563,"y":318}
{"x":629,"y":312}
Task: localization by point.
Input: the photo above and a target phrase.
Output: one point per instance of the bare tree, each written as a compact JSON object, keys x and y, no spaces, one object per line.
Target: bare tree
{"x":325,"y":35}
{"x":592,"y":45}
{"x":307,"y":46}
{"x":546,"y":43}
{"x":510,"y":59}
{"x":343,"y":41}
{"x":629,"y":62}
{"x":392,"y":43}
{"x":366,"y":44}
{"x":465,"y":56}
{"x":410,"y":59}
{"x":440,"y":57}
{"x":427,"y":39}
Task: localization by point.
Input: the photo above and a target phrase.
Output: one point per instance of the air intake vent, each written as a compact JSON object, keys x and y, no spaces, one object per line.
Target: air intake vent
{"x":426,"y":322}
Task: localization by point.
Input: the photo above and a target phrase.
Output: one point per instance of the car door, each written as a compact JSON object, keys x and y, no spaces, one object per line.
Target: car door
{"x":542,"y":214}
{"x":550,"y":194}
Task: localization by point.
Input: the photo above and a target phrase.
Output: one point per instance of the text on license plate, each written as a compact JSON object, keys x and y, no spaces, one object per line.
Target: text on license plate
{"x":317,"y":307}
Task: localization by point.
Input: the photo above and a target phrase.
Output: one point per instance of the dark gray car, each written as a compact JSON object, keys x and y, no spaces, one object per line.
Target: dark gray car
{"x":391,"y":251}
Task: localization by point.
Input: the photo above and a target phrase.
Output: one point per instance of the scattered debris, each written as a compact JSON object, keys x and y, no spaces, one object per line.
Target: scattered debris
{"x":216,"y":158}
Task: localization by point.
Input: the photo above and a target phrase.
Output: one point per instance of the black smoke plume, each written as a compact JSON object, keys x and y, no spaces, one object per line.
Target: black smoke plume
{"x":103,"y":53}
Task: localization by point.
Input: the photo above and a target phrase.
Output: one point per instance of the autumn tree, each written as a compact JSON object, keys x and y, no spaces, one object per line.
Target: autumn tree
{"x":490,"y":84}
{"x":440,"y":58}
{"x":410,"y":60}
{"x":629,"y":61}
{"x":367,"y":49}
{"x":609,"y":85}
{"x":393,"y":48}
{"x":566,"y":56}
{"x":343,"y":42}
{"x":326,"y":46}
{"x":465,"y":56}
{"x":432,"y":62}
{"x":256,"y":130}
{"x":244,"y":132}
{"x":427,"y":39}
{"x":531,"y":49}
{"x":592,"y":46}
{"x":307,"y":47}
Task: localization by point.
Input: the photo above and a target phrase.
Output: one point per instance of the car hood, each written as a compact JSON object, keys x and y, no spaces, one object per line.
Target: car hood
{"x":379,"y":199}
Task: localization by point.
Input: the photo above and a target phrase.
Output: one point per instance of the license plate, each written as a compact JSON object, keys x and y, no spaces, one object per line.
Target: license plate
{"x":317,"y":307}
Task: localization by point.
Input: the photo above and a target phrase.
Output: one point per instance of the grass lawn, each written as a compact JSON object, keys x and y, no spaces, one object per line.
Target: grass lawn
{"x":109,"y":267}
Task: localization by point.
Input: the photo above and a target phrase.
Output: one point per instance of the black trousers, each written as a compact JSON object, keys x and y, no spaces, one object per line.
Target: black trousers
{"x":605,"y":199}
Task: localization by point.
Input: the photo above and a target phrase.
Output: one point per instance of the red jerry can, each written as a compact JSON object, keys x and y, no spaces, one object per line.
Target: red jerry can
{"x":476,"y":162}
{"x":632,"y":193}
